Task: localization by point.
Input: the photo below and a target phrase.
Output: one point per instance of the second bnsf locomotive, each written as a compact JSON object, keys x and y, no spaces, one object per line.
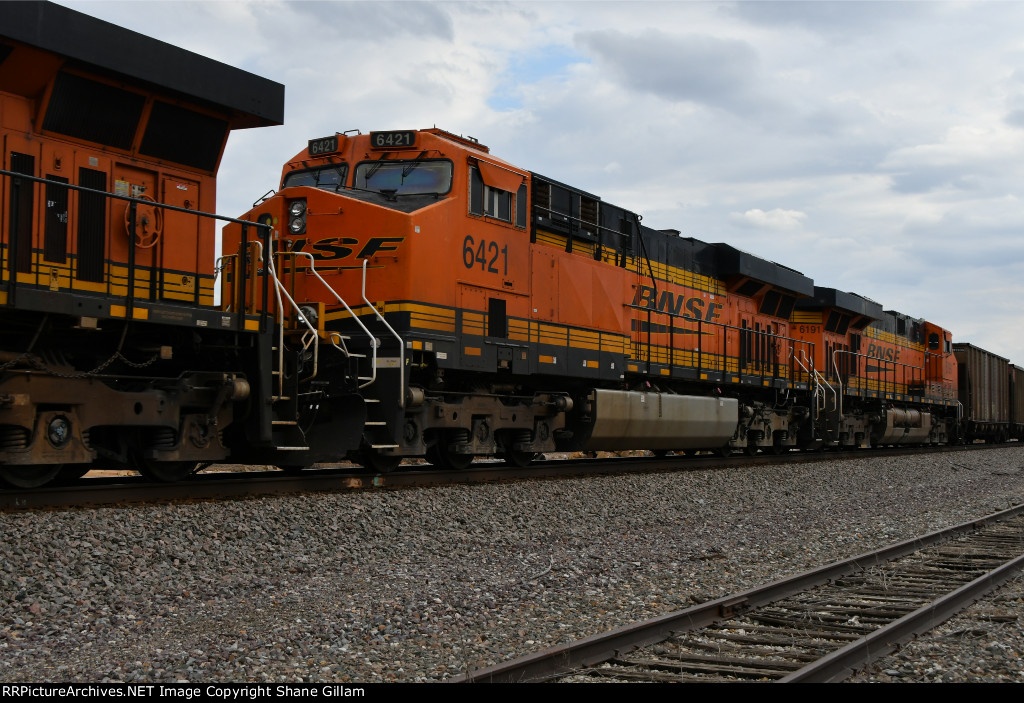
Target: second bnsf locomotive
{"x":484,"y":309}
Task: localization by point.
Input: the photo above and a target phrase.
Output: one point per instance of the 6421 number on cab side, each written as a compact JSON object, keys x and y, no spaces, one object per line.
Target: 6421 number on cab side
{"x":485,"y":254}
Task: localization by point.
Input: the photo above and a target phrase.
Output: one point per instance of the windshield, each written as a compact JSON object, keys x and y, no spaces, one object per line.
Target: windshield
{"x":328,"y":177}
{"x":405,"y":177}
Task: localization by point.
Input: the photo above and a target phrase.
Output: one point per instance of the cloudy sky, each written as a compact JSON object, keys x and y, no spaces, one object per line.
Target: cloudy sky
{"x":877,"y":147}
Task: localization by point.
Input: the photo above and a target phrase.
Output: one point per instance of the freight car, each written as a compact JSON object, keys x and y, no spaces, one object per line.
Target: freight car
{"x":113,"y":353}
{"x":512,"y":314}
{"x":1016,"y":403}
{"x":984,"y":391}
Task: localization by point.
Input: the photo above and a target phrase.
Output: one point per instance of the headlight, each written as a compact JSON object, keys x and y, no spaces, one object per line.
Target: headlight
{"x":297,"y":217}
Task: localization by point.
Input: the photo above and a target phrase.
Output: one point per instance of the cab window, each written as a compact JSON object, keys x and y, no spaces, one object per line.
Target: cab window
{"x":328,"y":177}
{"x":413,"y":177}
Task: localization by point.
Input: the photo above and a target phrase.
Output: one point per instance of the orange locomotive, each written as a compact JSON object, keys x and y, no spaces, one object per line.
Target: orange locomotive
{"x":883,"y":378}
{"x":113,"y":353}
{"x":492,"y":310}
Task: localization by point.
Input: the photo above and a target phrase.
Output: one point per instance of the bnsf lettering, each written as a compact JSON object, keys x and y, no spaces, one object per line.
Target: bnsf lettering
{"x":690,"y":308}
{"x":334,"y":248}
{"x":876,"y":351}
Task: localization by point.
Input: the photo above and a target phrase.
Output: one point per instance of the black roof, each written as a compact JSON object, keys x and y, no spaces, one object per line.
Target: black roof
{"x":848,"y":302}
{"x":736,"y":262}
{"x":257,"y":101}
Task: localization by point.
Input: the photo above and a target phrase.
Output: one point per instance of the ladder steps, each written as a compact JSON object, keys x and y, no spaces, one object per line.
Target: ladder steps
{"x":283,"y":422}
{"x":384,"y":446}
{"x":375,"y":423}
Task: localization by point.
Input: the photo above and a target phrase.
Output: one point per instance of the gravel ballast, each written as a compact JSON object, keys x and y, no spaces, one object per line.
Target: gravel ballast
{"x":419,"y":584}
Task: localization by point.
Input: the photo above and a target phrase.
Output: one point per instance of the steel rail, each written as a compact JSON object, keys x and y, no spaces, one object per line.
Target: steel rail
{"x":843,"y":662}
{"x":564,"y":659}
{"x":243,"y":484}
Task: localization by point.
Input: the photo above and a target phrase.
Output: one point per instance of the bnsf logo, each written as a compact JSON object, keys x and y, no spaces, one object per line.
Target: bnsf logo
{"x":691,"y":308}
{"x":334,"y":248}
{"x":877,"y":351}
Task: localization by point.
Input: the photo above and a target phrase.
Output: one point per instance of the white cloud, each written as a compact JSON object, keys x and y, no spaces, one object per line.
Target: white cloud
{"x":777,"y":219}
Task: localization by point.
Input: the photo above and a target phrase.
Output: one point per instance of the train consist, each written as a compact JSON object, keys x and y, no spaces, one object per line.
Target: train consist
{"x":403,"y":294}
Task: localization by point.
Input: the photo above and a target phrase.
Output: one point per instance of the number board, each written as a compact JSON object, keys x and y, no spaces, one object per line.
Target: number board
{"x":392,"y":140}
{"x":324,"y":145}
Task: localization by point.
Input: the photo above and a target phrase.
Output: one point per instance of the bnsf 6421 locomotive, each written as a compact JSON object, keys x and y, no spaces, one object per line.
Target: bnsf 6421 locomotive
{"x":492,"y":310}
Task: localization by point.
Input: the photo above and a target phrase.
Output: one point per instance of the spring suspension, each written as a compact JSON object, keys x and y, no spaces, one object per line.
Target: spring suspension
{"x":163,"y":438}
{"x":13,"y":438}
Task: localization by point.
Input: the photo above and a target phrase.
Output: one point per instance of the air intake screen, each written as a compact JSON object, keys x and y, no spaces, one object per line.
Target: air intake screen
{"x":92,"y":226}
{"x":183,"y":136}
{"x":93,"y":111}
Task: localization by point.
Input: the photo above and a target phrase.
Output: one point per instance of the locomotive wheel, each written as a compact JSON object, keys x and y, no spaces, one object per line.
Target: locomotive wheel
{"x":778,"y":449}
{"x":381,"y":463}
{"x":29,"y":476}
{"x":69,"y":473}
{"x":750,"y":449}
{"x":723,"y":452}
{"x":167,"y":471}
{"x":660,"y":453}
{"x":517,"y":458}
{"x":439,"y":455}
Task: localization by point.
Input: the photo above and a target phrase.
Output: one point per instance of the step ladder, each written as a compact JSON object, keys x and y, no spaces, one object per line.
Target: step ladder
{"x":311,"y":339}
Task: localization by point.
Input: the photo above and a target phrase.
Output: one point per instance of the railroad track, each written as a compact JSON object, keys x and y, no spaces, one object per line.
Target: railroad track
{"x":820,"y":626}
{"x":102,"y":490}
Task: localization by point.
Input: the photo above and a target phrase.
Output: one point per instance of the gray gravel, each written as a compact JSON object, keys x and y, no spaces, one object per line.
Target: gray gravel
{"x":418,"y":585}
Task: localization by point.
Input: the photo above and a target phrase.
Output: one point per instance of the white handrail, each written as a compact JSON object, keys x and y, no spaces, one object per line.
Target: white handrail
{"x":374,"y":342}
{"x":401,"y":344}
{"x":839,"y":378}
{"x":279,"y":289}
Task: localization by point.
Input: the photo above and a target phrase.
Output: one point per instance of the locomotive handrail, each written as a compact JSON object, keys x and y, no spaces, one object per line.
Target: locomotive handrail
{"x":278,"y":291}
{"x":401,"y":344}
{"x":133,"y":203}
{"x":839,"y":377}
{"x":819,"y":380}
{"x":757,"y":333}
{"x":373,"y":340}
{"x":175,"y":208}
{"x":891,"y":365}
